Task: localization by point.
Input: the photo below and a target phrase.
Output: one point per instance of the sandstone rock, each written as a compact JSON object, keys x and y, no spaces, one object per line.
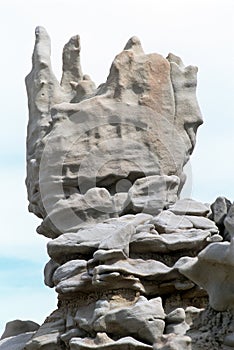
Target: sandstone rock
{"x":153,"y":193}
{"x":186,"y":240}
{"x":16,"y":342}
{"x":146,"y":276}
{"x":176,"y":316}
{"x":192,"y":313}
{"x":168,"y":222}
{"x":229,"y":221}
{"x":18,"y":327}
{"x":119,"y":238}
{"x":151,"y":269}
{"x":179,"y":328}
{"x":70,"y":334}
{"x":143,"y":320}
{"x":120,"y":200}
{"x":202,"y":223}
{"x":86,"y":317}
{"x":145,"y":228}
{"x":175,"y":322}
{"x":78,"y":130}
{"x":86,"y":241}
{"x":43,"y":90}
{"x":79,"y":283}
{"x":72,"y":73}
{"x":215,"y":260}
{"x":68,"y":270}
{"x":103,"y":342}
{"x":173,"y":342}
{"x":214,"y":238}
{"x":104,"y":173}
{"x":48,"y":341}
{"x":48,"y":335}
{"x":189,"y":207}
{"x":73,"y":213}
{"x":219,"y":210}
{"x":49,"y":270}
{"x":133,"y":219}
{"x":102,"y":256}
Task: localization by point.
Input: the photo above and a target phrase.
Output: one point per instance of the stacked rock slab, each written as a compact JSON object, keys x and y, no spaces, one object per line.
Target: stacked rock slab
{"x":104,"y":173}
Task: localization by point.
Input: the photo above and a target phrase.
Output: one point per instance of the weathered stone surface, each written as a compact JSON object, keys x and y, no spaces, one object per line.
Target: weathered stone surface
{"x":212,"y":269}
{"x":49,"y":270}
{"x":202,"y":223}
{"x":173,"y":342}
{"x":133,"y":126}
{"x":79,"y":283}
{"x":175,"y":322}
{"x":214,"y":238}
{"x":68,"y":270}
{"x":184,"y":240}
{"x":147,"y":269}
{"x":179,"y":328}
{"x":176,"y":316}
{"x":48,"y":335}
{"x":168,"y":222}
{"x":192,"y":313}
{"x":16,"y":342}
{"x":104,"y":173}
{"x":151,"y":194}
{"x":219,"y":210}
{"x":133,"y":219}
{"x":18,"y":327}
{"x":119,"y":239}
{"x":111,"y":272}
{"x":103,"y":342}
{"x":189,"y":207}
{"x":229,"y":221}
{"x":77,"y":211}
{"x":48,"y":341}
{"x":143,"y":319}
{"x":108,"y":235}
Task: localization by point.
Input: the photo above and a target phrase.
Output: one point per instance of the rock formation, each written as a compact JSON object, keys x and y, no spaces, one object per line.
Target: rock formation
{"x":134,"y":266}
{"x":17,"y":333}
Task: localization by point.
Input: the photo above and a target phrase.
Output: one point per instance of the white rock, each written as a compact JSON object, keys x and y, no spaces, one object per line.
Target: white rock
{"x":203,"y":223}
{"x":168,"y":222}
{"x":153,"y":193}
{"x":189,"y":207}
{"x":68,"y":270}
{"x":103,"y":342}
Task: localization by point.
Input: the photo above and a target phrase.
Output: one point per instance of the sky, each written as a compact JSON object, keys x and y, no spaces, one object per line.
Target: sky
{"x":201,"y":32}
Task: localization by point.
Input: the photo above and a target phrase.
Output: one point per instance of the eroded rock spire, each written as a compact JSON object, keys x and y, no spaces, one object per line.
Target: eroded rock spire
{"x":104,"y":173}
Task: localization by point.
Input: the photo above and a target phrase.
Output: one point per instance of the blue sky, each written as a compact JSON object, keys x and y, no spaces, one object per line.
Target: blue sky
{"x":199,"y":31}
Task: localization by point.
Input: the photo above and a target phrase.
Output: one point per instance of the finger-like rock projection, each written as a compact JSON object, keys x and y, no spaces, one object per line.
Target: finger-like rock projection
{"x":96,"y":153}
